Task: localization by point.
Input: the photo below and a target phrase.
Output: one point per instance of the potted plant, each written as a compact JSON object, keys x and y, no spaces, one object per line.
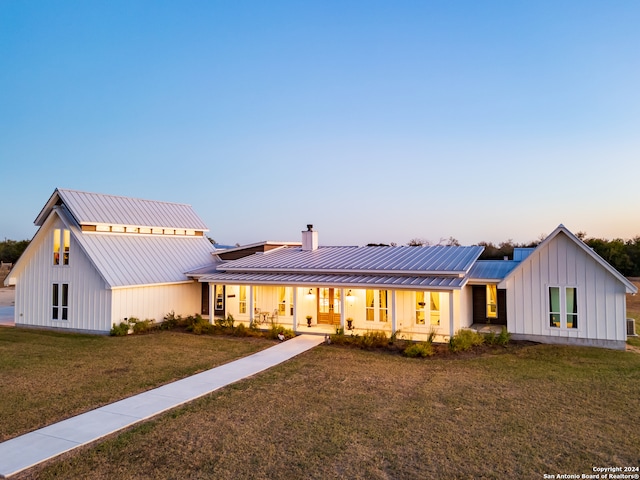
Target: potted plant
{"x":349,"y":323}
{"x":309,"y":320}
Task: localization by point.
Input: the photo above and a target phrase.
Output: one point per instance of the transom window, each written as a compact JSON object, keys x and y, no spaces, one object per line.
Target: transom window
{"x":61,"y":246}
{"x":563,"y":307}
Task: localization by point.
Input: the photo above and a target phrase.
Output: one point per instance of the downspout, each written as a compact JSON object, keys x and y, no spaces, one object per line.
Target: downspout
{"x":211,"y":302}
{"x":251,"y":306}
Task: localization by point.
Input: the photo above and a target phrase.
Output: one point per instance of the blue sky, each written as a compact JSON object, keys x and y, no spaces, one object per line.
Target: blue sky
{"x":377,"y":121}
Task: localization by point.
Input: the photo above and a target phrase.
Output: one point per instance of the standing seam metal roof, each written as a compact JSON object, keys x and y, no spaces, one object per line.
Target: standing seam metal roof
{"x":446,"y":260}
{"x":129,"y":260}
{"x":95,"y":208}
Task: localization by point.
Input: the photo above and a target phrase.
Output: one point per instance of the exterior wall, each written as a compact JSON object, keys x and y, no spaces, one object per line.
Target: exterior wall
{"x":600,"y":296}
{"x":154,"y":302}
{"x":89,"y":301}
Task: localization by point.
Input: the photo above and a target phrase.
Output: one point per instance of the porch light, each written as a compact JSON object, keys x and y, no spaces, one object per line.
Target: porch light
{"x":310,"y":293}
{"x":350,"y":297}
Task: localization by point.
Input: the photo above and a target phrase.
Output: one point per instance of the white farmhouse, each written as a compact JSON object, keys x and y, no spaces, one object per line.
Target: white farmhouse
{"x":98,"y":259}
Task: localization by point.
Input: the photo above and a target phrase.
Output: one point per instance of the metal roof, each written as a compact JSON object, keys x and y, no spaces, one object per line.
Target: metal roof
{"x":416,"y":261}
{"x":95,"y":208}
{"x":491,"y":269}
{"x":133,"y":260}
{"x":349,"y":281}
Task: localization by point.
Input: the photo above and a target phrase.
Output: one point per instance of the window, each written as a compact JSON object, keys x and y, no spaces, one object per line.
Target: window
{"x":285,"y":297}
{"x":61,"y":245}
{"x":377,"y":305}
{"x":242,"y":304}
{"x":60,"y":301}
{"x":219,"y":298}
{"x":435,"y":308}
{"x":560,"y":317}
{"x":430,"y":309}
{"x":492,"y":301}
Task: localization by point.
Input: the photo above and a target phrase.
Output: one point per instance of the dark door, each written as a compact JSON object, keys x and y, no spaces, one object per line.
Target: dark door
{"x":204,"y":308}
{"x":482,"y":310}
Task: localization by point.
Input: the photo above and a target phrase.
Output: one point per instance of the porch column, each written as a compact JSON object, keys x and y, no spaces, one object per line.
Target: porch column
{"x":451,"y":323}
{"x":211,"y":302}
{"x":393,"y":312}
{"x":295,"y":309}
{"x":343,"y":309}
{"x":251,"y":305}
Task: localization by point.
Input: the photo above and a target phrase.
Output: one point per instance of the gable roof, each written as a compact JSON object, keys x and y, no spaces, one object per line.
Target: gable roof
{"x":424,"y":261}
{"x":562,"y":230}
{"x":435,"y":267}
{"x":124,"y":260}
{"x":95,"y":208}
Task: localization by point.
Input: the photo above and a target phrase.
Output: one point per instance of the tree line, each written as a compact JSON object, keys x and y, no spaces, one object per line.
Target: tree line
{"x":623,"y":255}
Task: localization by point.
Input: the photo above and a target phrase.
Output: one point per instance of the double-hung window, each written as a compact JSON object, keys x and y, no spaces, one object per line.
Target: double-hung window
{"x":563,"y":307}
{"x":60,"y":301}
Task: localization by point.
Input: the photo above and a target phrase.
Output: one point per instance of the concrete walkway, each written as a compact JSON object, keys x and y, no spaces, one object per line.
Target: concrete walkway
{"x":6,"y":316}
{"x":32,"y":448}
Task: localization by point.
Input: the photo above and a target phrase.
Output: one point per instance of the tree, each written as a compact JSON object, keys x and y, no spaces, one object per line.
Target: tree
{"x":10,"y":250}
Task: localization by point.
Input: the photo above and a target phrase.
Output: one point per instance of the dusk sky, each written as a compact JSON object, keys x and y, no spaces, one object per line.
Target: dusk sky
{"x":376,"y":121}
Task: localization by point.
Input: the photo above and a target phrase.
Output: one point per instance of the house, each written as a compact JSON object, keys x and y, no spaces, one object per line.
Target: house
{"x":98,"y":259}
{"x":559,"y":292}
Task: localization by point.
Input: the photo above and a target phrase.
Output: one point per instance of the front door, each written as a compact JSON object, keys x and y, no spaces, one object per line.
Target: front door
{"x":329,"y":306}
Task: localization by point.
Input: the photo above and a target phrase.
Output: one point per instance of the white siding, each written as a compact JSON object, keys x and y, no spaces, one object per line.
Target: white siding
{"x":154,"y":302}
{"x":601,"y":296}
{"x":88,"y":300}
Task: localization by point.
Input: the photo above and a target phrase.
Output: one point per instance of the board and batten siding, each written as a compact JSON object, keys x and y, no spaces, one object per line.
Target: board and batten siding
{"x":89,"y":302}
{"x":156,"y":301}
{"x":600,"y":297}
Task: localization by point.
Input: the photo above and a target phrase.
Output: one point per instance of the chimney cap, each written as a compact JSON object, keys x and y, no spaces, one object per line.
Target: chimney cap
{"x":309,"y":227}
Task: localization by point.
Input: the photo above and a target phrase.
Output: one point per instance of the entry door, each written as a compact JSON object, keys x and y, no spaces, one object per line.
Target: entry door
{"x":329,"y":306}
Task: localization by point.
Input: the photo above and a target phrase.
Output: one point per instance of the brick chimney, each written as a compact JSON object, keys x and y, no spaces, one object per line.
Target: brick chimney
{"x":309,"y":239}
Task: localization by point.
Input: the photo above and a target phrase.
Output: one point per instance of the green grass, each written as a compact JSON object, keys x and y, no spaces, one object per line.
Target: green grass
{"x":338,"y":412}
{"x":48,"y":376}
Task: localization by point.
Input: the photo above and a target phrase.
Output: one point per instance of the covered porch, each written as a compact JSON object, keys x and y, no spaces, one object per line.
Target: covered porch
{"x":413,"y":313}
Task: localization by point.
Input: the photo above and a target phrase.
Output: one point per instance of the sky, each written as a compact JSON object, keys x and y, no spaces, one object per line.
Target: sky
{"x":375,"y":121}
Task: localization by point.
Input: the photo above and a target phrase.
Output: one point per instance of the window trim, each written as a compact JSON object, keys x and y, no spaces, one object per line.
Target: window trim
{"x":561,"y":311}
{"x":377,"y":312}
{"x":60,"y":302}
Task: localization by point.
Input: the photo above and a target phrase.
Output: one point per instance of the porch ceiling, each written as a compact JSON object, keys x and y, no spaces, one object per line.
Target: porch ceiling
{"x":348,"y":281}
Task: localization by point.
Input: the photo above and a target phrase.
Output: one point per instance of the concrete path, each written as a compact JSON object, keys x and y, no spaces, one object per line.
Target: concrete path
{"x":32,"y":448}
{"x":6,"y":316}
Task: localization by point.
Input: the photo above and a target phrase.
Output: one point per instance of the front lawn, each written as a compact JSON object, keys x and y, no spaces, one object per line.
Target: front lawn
{"x":337,"y":412}
{"x":49,"y":376}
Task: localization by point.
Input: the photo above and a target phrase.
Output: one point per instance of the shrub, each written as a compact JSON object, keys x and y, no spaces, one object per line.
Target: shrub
{"x":225,"y":322}
{"x":119,"y":330}
{"x":198,"y":325}
{"x":421,"y":349}
{"x":171,"y":321}
{"x":374,"y":339}
{"x":141,"y":326}
{"x":464,"y":340}
{"x":240,"y":331}
{"x":504,"y":337}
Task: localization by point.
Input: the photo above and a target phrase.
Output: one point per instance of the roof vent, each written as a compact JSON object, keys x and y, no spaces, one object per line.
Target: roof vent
{"x":309,"y":239}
